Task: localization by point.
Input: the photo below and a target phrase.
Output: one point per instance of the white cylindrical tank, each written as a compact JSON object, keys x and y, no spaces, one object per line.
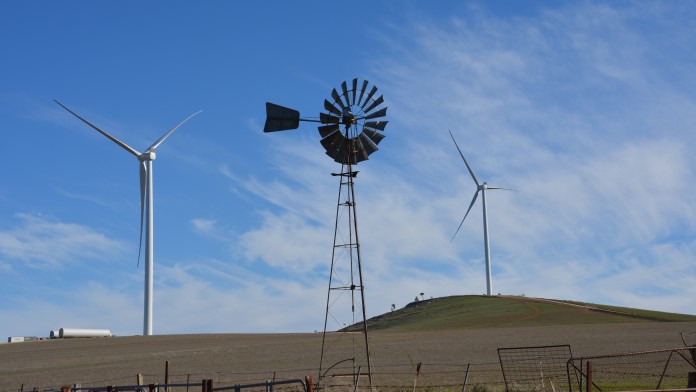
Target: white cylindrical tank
{"x":84,"y":333}
{"x":54,"y":335}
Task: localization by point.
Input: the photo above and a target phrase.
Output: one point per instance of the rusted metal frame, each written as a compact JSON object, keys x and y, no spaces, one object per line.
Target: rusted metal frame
{"x":578,"y":380}
{"x":268,"y":384}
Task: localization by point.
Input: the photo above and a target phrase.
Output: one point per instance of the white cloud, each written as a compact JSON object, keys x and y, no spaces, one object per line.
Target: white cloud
{"x":203,"y":225}
{"x":41,"y":241}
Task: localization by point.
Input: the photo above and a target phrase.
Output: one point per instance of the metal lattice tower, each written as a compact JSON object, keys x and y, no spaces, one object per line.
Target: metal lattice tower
{"x":346,"y":277}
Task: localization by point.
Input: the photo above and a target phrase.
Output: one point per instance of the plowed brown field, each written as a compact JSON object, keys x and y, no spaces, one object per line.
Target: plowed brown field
{"x":239,"y":358}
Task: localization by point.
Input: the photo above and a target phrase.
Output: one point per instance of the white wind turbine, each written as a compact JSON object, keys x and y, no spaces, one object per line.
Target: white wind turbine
{"x":146,"y":205}
{"x":480,"y":187}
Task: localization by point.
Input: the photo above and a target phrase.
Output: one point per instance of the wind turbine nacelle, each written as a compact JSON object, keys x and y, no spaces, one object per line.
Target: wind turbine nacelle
{"x":147,"y":156}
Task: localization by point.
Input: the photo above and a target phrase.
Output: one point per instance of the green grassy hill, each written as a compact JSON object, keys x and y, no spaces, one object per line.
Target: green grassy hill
{"x":475,"y":311}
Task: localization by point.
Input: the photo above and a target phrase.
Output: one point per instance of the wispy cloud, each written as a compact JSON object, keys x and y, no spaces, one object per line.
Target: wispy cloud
{"x":204,"y":226}
{"x":43,"y":241}
{"x":569,"y":106}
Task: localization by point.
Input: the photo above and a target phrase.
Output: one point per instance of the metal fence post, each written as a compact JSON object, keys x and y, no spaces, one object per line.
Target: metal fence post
{"x":589,"y":377}
{"x":691,"y":382}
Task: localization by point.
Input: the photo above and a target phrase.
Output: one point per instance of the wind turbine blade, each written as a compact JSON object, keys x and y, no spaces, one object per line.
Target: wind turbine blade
{"x":143,"y":184}
{"x":473,"y":176}
{"x":113,"y":139}
{"x":465,"y":215}
{"x":154,"y":146}
{"x":505,"y":189}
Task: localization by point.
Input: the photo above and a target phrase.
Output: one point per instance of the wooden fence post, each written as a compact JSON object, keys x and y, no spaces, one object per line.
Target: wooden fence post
{"x":166,"y":376}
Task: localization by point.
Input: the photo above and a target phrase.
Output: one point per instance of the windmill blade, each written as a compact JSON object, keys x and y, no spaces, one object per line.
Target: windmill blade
{"x":375,"y":104}
{"x":465,"y":215}
{"x":368,"y":144}
{"x":159,"y":141}
{"x":473,"y":176}
{"x":331,"y":108}
{"x":362,"y":91}
{"x":143,"y":184}
{"x":280,"y":118}
{"x":369,"y":96}
{"x":326,"y":130}
{"x":339,"y":152}
{"x":332,"y":141}
{"x":355,"y":89}
{"x":335,"y":145}
{"x":374,"y":136}
{"x":328,"y":119}
{"x":113,"y":139}
{"x":359,"y":152}
{"x":379,"y":113}
{"x":376,"y":125}
{"x":344,"y":87}
{"x":337,"y":98}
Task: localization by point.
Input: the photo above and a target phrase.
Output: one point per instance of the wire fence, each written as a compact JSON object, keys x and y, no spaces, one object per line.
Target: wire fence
{"x":407,"y":377}
{"x":532,"y":369}
{"x":670,"y":369}
{"x":535,"y":368}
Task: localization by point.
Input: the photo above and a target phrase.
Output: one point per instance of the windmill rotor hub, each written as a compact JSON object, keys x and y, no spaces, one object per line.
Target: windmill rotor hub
{"x":347,"y":116}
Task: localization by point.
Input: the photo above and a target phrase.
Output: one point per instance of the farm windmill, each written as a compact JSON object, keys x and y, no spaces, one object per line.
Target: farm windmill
{"x":146,"y":208}
{"x":352,"y":128}
{"x":480,"y":187}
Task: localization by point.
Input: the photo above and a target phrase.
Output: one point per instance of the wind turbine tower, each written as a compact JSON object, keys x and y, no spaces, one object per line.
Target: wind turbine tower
{"x":480,"y":187}
{"x":146,"y":209}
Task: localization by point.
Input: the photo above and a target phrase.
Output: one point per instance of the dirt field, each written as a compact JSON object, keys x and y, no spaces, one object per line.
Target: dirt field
{"x":244,"y":358}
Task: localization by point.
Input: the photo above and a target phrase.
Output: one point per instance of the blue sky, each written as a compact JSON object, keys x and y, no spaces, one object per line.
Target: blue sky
{"x":587,"y":108}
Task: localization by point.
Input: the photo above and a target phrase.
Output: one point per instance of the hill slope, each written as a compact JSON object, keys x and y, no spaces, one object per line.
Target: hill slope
{"x":474,"y":311}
